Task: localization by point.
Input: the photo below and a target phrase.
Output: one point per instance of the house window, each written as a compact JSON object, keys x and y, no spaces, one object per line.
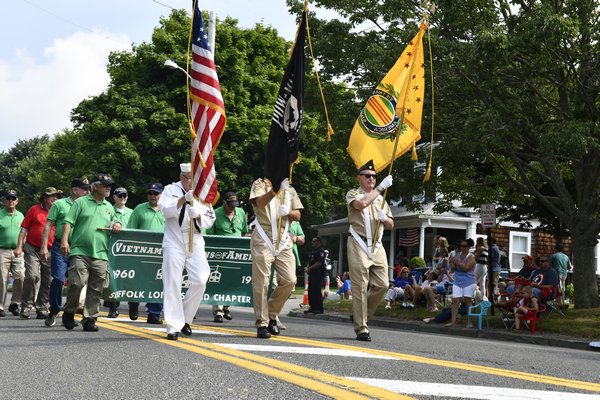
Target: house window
{"x":519,"y":245}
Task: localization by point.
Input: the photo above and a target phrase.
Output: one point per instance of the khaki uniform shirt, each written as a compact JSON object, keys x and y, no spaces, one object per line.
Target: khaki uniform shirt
{"x":263,"y":215}
{"x":355,"y":217}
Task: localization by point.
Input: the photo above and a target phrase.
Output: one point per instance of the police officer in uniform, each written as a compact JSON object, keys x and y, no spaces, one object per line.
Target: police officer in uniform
{"x":367,"y":258}
{"x":271,"y":245}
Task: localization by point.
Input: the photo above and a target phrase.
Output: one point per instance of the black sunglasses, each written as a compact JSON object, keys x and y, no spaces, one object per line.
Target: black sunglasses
{"x":121,"y":196}
{"x":10,"y":198}
{"x":369,"y":175}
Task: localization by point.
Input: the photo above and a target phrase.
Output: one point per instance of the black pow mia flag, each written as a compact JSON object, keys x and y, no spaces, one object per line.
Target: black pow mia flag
{"x":284,"y":136}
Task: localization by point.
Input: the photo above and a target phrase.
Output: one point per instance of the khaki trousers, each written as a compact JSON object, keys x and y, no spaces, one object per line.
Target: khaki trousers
{"x":366,"y":273}
{"x":36,"y":271}
{"x":7,"y":264}
{"x":86,"y":270}
{"x":285,"y":266}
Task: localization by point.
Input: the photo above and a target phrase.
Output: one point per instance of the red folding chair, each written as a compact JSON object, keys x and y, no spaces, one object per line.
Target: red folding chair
{"x":538,"y":317}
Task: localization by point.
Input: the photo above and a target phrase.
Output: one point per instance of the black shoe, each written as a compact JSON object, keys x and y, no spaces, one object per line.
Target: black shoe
{"x":173,"y":336}
{"x":113,"y":313}
{"x":262,"y":333}
{"x":14,"y":309}
{"x":68,"y":320}
{"x":273,"y":328}
{"x":318,"y":312}
{"x":154,"y":319}
{"x":186,"y":330}
{"x":41,"y":314}
{"x":90,"y":325}
{"x":218,"y":318}
{"x":227,"y":315}
{"x":2,"y":313}
{"x":364,"y":337}
{"x":133,"y":311}
{"x":24,"y":314}
{"x":309,"y":311}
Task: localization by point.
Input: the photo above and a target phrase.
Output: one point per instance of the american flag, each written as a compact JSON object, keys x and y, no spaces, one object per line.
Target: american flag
{"x":409,"y":237}
{"x":207,"y":110}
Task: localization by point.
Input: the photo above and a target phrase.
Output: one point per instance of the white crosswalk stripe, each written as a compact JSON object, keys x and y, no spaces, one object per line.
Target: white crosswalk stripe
{"x":445,"y":390}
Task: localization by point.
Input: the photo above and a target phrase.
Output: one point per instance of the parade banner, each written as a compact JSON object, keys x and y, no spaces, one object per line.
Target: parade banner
{"x":135,"y":261}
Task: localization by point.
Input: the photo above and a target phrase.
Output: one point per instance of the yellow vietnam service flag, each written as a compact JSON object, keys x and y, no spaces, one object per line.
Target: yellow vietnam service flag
{"x":402,"y":89}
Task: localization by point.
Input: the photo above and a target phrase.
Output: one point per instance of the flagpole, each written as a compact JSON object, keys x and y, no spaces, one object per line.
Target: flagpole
{"x":398,"y":127}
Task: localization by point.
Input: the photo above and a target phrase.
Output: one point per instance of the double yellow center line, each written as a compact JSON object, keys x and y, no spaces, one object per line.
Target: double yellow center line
{"x":332,"y":386}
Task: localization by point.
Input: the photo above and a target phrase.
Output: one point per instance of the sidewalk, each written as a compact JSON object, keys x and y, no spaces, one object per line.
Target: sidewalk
{"x":546,"y":339}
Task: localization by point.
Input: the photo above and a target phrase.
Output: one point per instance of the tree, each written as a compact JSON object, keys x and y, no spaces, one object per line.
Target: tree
{"x":516,"y":103}
{"x":137,"y":130}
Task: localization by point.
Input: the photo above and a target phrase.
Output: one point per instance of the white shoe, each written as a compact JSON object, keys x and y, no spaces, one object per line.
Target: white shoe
{"x":405,"y":305}
{"x":411,"y":305}
{"x":388,"y":307}
{"x":428,"y":320}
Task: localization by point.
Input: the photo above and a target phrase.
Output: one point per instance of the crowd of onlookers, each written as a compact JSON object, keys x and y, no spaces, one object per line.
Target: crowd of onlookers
{"x":460,"y":274}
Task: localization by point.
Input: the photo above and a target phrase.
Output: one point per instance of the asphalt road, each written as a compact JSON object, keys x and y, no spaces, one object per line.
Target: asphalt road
{"x":312,"y":359}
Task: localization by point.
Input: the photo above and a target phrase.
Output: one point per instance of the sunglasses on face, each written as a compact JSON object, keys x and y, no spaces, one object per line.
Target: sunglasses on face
{"x":369,"y":176}
{"x":10,"y":198}
{"x":121,"y":196}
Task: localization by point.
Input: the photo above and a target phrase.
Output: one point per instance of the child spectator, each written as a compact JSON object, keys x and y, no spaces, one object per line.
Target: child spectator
{"x":526,"y":307}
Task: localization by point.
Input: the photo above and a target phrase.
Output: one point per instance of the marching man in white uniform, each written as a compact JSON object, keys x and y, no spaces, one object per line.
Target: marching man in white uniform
{"x":178,"y":205}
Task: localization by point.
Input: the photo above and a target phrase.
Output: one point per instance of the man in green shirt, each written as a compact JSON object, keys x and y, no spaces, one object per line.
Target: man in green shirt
{"x":148,"y":216}
{"x":59,"y":263}
{"x":10,"y":227}
{"x":230,"y":221}
{"x":91,"y":219}
{"x":120,"y":197}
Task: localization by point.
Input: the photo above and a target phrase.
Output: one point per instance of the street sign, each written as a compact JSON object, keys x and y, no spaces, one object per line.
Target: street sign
{"x":488,"y":215}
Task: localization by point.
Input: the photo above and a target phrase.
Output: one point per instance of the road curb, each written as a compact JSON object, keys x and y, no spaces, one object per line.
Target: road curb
{"x":545,"y":339}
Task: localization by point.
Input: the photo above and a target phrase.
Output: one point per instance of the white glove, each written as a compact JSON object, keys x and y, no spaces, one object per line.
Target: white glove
{"x":283,"y":210}
{"x":381,"y":215}
{"x":194,"y":211}
{"x":189,"y":196}
{"x":285,"y":184}
{"x":385,"y":183}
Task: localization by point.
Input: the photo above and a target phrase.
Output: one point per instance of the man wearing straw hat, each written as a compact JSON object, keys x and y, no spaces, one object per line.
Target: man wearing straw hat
{"x":367,"y":260}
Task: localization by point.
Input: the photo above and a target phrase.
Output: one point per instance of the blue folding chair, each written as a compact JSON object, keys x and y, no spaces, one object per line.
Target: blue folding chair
{"x":483,"y":308}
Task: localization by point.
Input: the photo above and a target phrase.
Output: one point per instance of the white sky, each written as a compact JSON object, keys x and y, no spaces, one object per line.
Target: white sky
{"x":54,"y":52}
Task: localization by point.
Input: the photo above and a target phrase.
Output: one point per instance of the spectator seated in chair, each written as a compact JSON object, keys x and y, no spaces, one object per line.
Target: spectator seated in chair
{"x":514,"y":286}
{"x":544,"y":281}
{"x":404,"y":286}
{"x":344,"y":286}
{"x":527,"y":307}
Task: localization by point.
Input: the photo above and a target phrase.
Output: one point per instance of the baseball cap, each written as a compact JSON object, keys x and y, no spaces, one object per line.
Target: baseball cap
{"x":527,"y":258}
{"x":231,"y":199}
{"x":104,"y":179}
{"x":11,"y":194}
{"x":120,"y":190}
{"x":82,"y":183}
{"x":49,"y":191}
{"x":155,"y":187}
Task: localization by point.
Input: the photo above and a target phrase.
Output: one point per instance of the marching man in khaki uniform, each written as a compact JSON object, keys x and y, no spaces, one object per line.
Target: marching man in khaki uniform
{"x":271,"y":244}
{"x":367,"y":259}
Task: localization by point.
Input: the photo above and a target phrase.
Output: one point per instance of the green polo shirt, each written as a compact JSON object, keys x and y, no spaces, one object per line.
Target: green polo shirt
{"x":296,"y":229}
{"x":124,"y":216}
{"x":85,"y":217}
{"x":58,"y":213}
{"x":238,"y":226}
{"x":145,"y":217}
{"x":10,"y":226}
